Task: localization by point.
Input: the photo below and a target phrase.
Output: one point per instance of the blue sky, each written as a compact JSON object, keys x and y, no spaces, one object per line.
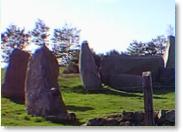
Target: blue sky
{"x":106,"y":24}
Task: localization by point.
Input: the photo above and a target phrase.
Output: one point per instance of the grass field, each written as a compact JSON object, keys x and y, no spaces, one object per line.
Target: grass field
{"x":84,"y":105}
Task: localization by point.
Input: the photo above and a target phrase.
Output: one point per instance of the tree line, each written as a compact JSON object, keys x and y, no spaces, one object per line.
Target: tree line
{"x":154,"y":47}
{"x":64,"y":38}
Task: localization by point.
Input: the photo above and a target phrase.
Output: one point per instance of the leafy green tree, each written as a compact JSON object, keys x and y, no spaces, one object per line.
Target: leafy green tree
{"x":40,"y":33}
{"x":150,"y":49}
{"x":13,"y":38}
{"x":113,"y":53}
{"x":136,"y":48}
{"x":154,"y":47}
{"x":66,"y":42}
{"x":160,"y":42}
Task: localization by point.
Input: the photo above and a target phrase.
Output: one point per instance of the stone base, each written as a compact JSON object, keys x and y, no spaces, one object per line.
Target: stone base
{"x":161,"y":118}
{"x":69,"y":119}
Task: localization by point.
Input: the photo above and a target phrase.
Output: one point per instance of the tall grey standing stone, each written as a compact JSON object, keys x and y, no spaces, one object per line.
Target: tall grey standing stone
{"x":14,"y":83}
{"x":43,"y":97}
{"x":167,"y":76}
{"x":88,"y":69}
{"x":170,"y":53}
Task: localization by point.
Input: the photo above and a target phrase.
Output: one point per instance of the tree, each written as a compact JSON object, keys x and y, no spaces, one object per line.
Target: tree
{"x":150,"y":49}
{"x":40,"y":33}
{"x":66,"y":42}
{"x":154,"y":47}
{"x":13,"y":38}
{"x":136,"y":48}
{"x":170,"y":30}
{"x":113,"y":53}
{"x":160,"y":44}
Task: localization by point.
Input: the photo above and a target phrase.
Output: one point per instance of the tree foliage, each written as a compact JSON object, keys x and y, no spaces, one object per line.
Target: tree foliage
{"x":113,"y":53}
{"x":154,"y":47}
{"x":66,"y":42}
{"x":13,"y":38}
{"x":136,"y":48}
{"x":40,"y":33}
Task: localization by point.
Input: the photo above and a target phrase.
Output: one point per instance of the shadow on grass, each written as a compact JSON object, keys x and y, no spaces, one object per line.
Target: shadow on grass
{"x":79,"y":108}
{"x":66,"y":122}
{"x":108,"y":91}
{"x":160,"y":91}
{"x":14,"y":100}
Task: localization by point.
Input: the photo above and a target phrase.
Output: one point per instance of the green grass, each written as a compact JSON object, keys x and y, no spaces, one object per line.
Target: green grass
{"x":85,"y":105}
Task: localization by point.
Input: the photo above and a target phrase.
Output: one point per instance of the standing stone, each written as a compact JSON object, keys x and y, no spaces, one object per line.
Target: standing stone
{"x":42,"y":93}
{"x":14,"y":83}
{"x":168,"y":73}
{"x":167,"y":77}
{"x":88,"y":69}
{"x":169,"y":55}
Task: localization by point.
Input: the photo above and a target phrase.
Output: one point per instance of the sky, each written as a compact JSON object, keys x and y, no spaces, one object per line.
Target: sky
{"x":105,"y":24}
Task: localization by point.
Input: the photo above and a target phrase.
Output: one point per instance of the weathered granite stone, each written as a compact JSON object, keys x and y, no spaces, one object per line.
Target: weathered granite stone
{"x":167,"y":77}
{"x":169,"y":55}
{"x":162,"y":118}
{"x":102,"y":122}
{"x":128,"y":116}
{"x":71,"y":68}
{"x":170,"y":116}
{"x":168,"y":74}
{"x":116,"y":65}
{"x":14,"y":82}
{"x":126,"y":82}
{"x":43,"y":97}
{"x":88,"y":69}
{"x":138,"y":116}
{"x":166,"y":117}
